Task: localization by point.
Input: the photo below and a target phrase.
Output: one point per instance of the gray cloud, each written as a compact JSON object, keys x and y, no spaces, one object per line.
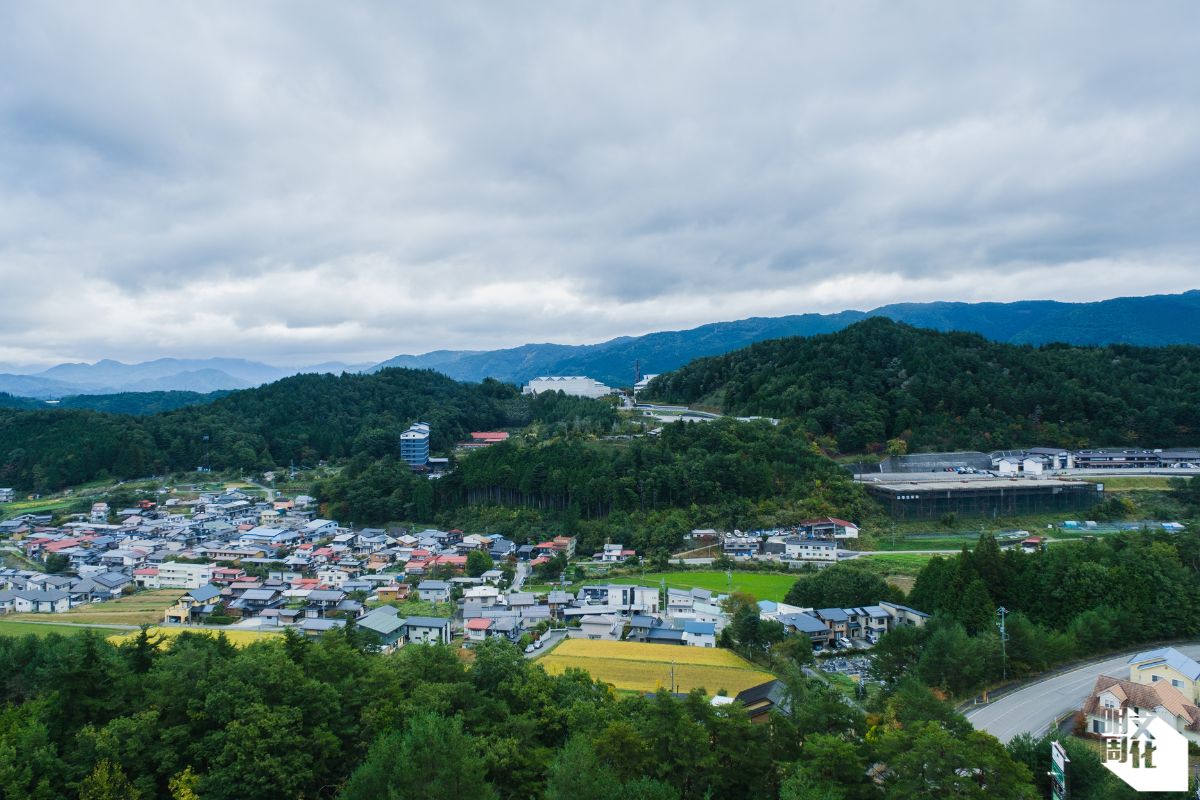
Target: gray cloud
{"x":295,"y":181}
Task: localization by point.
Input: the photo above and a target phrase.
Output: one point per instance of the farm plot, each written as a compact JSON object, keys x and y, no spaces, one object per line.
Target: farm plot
{"x":136,"y":609}
{"x":633,"y":666}
{"x":240,"y":638}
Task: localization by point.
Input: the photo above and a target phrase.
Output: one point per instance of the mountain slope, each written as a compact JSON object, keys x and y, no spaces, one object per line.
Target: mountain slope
{"x":879,"y":380}
{"x":1150,"y":321}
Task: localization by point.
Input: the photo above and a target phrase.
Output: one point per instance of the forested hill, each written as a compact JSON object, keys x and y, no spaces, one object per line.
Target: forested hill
{"x":879,"y":380}
{"x":121,"y":403}
{"x":301,"y":419}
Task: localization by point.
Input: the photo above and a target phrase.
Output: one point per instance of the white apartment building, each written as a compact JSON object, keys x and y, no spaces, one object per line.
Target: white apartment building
{"x":178,"y":575}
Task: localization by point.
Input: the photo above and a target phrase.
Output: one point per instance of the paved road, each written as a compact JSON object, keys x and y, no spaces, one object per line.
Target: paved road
{"x":1036,"y":706}
{"x":519,"y":576}
{"x":551,"y":638}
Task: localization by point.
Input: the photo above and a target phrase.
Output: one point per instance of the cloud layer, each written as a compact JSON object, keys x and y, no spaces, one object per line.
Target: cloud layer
{"x":300,"y":181}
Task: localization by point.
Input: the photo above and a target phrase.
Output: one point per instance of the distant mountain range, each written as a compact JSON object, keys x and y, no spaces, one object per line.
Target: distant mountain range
{"x":165,"y":374}
{"x":1150,"y":321}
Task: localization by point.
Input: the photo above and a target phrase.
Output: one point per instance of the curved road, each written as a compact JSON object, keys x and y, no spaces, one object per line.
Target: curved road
{"x":1035,"y":707}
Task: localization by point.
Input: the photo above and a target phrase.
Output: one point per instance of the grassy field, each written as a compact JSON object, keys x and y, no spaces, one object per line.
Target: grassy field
{"x":763,"y":585}
{"x":632,"y":666}
{"x":138,"y":609}
{"x":8,"y":628}
{"x":240,"y":638}
{"x":1127,"y":483}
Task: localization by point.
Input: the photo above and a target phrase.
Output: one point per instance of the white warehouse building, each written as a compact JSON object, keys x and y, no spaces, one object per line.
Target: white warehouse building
{"x":575,"y":385}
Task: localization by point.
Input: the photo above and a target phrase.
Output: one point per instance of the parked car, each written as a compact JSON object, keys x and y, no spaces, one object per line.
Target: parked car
{"x":529,"y":648}
{"x":539,"y":643}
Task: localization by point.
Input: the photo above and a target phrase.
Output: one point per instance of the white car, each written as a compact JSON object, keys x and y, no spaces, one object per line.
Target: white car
{"x":538,"y":644}
{"x":844,"y":642}
{"x":529,"y":648}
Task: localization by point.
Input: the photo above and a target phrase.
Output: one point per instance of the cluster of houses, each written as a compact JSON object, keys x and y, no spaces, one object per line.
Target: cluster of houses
{"x":31,"y":592}
{"x":812,"y":541}
{"x":1163,"y":681}
{"x":830,"y":628}
{"x":182,"y":543}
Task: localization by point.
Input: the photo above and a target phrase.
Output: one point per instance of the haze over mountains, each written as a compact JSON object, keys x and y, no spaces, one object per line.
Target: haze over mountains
{"x":164,"y":374}
{"x":1152,"y":321}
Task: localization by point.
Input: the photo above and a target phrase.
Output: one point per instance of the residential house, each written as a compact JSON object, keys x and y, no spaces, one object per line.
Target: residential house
{"x":1167,"y":665}
{"x":194,"y":606}
{"x":903,"y":615}
{"x":7,"y":495}
{"x":759,"y":701}
{"x":316,"y":626}
{"x":601,"y":626}
{"x":623,"y":598}
{"x":321,"y":602}
{"x":477,"y":628}
{"x":1161,"y":698}
{"x":837,"y":620}
{"x":386,"y":624}
{"x":699,"y":634}
{"x":815,"y":629}
{"x":45,"y":601}
{"x":432,"y":591}
{"x":181,"y":575}
{"x":254,"y":601}
{"x":614,"y":553}
{"x":737,"y":545}
{"x":665,"y":635}
{"x":427,"y":630}
{"x":867,"y":622}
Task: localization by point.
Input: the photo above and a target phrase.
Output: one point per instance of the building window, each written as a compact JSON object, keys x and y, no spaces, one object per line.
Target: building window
{"x":1097,"y":726}
{"x":1154,"y":679}
{"x":1178,"y":684}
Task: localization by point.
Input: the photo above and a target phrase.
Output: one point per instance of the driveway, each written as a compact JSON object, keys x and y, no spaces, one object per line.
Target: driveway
{"x":1035,"y":707}
{"x":551,"y":638}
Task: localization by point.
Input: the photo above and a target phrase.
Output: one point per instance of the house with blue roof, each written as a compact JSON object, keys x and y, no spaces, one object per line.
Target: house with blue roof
{"x":699,"y":634}
{"x":1166,"y":664}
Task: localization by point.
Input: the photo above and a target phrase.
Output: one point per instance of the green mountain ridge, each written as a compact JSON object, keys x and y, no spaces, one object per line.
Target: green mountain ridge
{"x":880,"y":380}
{"x":1156,"y":320}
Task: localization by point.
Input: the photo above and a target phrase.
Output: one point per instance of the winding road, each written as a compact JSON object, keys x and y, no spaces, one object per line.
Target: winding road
{"x":1035,"y":707}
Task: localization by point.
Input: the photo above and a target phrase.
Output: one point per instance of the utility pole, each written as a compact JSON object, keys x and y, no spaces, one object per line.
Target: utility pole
{"x":1001,"y":613}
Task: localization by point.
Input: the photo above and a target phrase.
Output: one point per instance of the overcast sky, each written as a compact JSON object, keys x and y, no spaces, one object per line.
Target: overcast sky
{"x":295,"y":182}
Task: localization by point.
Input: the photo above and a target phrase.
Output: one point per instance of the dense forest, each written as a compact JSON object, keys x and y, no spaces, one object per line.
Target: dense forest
{"x":1064,"y":603}
{"x":301,"y":420}
{"x":879,"y":380}
{"x":291,"y":718}
{"x":647,"y":492}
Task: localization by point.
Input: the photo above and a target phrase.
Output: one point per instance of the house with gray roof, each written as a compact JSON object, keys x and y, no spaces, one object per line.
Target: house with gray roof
{"x":427,"y":630}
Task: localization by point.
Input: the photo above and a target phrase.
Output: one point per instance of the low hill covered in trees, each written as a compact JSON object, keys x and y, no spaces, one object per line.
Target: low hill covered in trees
{"x":646,"y":492}
{"x":301,"y":419}
{"x":879,"y":380}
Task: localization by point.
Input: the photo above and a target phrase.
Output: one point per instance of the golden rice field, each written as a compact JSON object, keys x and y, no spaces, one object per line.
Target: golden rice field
{"x":638,"y":667}
{"x":239,"y":638}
